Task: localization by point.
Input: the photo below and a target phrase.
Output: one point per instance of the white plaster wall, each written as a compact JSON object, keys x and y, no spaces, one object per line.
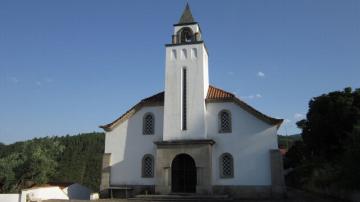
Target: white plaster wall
{"x":249,"y":144}
{"x":127,"y":146}
{"x":9,"y":197}
{"x":197,"y":84}
{"x":206,"y":71}
{"x":43,"y":193}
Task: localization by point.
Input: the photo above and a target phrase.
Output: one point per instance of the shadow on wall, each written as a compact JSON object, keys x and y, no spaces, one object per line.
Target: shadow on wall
{"x":128,"y":170}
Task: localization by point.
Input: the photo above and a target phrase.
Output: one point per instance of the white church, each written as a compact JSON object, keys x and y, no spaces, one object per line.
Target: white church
{"x":192,"y":138}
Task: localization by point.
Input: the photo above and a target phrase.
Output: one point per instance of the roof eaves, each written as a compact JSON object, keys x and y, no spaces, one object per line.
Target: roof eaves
{"x":250,"y":109}
{"x":144,"y":102}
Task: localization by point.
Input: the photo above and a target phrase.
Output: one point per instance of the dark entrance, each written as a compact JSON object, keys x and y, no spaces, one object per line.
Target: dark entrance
{"x":183,"y":174}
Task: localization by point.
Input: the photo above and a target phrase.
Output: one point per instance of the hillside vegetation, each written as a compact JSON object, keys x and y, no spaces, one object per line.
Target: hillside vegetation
{"x":287,"y":141}
{"x":52,"y":159}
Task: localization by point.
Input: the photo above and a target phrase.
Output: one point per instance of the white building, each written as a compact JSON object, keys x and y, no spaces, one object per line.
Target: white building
{"x":61,"y":191}
{"x":193,"y":137}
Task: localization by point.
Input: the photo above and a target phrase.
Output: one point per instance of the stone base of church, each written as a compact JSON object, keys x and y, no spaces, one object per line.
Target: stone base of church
{"x":244,"y":192}
{"x":127,"y":191}
{"x":250,"y":192}
{"x":200,"y":151}
{"x":278,"y":188}
{"x":233,"y":191}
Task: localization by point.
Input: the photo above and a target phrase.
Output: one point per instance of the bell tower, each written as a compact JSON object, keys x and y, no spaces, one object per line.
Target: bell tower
{"x":186,"y":81}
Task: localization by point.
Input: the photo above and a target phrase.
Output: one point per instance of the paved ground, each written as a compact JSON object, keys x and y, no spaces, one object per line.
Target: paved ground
{"x":292,"y":196}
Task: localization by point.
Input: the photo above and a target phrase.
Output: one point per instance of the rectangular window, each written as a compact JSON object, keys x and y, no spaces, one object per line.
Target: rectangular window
{"x":173,"y":54}
{"x":183,"y":54}
{"x":193,"y":53}
{"x":184,"y":125}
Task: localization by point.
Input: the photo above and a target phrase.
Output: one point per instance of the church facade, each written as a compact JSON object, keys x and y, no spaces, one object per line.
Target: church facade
{"x":193,"y":137}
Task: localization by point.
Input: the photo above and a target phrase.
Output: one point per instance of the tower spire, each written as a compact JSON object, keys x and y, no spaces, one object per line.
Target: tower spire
{"x":186,"y":17}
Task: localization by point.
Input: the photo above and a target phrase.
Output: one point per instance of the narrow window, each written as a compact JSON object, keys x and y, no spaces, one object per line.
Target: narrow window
{"x":183,"y":54}
{"x":224,"y":121}
{"x":147,"y":166}
{"x":148,"y":124}
{"x":193,"y":53}
{"x":184,"y":89}
{"x":226,"y":166}
{"x":173,"y":54}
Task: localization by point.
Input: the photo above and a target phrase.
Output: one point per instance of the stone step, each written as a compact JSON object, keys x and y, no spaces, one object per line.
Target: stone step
{"x":182,"y":197}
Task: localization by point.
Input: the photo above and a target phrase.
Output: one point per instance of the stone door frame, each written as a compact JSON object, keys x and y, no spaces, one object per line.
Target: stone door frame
{"x":199,"y":150}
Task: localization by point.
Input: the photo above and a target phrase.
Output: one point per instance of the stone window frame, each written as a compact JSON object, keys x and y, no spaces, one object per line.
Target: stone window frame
{"x":144,"y":172}
{"x":221,"y":127}
{"x":222,"y":165}
{"x":152,"y":131}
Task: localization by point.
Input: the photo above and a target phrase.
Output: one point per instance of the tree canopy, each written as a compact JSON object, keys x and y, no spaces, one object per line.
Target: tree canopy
{"x":330,"y":121}
{"x":331,"y":142}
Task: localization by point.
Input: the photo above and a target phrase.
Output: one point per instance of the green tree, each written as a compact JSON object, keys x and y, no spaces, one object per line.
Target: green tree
{"x":35,"y":160}
{"x":295,"y":155}
{"x":2,"y":146}
{"x":330,"y":152}
{"x":329,"y":121}
{"x":81,"y":160}
{"x":350,"y":162}
{"x":39,"y":160}
{"x":75,"y":158}
{"x":8,"y":178}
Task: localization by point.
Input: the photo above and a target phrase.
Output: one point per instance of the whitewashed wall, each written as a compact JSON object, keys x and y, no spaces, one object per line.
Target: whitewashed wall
{"x":127,"y":146}
{"x":249,"y":144}
{"x":197,"y":86}
{"x":43,"y":193}
{"x":9,"y":197}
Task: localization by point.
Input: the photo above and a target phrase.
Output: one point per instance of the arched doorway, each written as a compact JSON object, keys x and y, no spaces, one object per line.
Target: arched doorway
{"x":183,"y":174}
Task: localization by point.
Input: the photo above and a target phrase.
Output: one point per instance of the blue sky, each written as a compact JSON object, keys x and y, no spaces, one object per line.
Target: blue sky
{"x":67,"y":67}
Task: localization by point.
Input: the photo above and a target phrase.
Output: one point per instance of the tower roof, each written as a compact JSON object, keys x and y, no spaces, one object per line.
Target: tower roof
{"x":186,"y":17}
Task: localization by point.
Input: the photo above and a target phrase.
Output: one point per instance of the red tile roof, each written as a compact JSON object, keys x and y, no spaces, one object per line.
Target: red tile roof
{"x":214,"y":95}
{"x":217,"y":93}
